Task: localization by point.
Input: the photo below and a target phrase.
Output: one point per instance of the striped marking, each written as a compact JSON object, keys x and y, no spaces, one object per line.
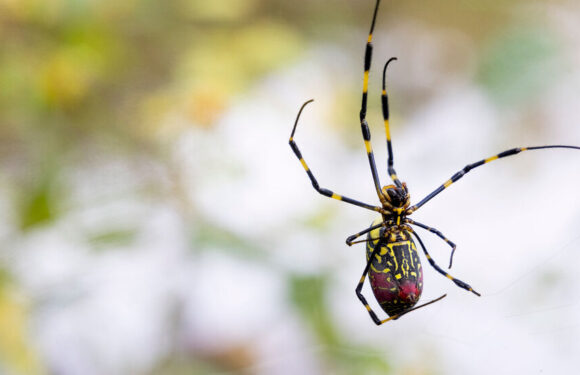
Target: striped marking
{"x":470,"y":167}
{"x":387,"y":130}
{"x":439,"y":234}
{"x":375,"y":270}
{"x":491,"y":159}
{"x":304,"y":165}
{"x":336,"y":196}
{"x":368,"y":147}
{"x":457,"y":282}
{"x":366,"y":82}
{"x":375,"y":233}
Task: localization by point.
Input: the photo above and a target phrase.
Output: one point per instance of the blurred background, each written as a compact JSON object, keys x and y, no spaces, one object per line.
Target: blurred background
{"x":153,"y":219}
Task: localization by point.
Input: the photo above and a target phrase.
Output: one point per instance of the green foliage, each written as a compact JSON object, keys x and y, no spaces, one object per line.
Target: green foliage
{"x":207,"y":235}
{"x":308,"y":294}
{"x":39,"y":202}
{"x":519,"y":65}
{"x":114,"y":237}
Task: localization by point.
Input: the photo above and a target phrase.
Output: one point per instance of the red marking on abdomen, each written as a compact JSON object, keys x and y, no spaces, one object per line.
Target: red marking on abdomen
{"x":408,"y":292}
{"x":381,"y":287}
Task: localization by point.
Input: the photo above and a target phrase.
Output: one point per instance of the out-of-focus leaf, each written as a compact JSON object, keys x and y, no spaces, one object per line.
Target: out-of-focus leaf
{"x":519,"y":65}
{"x":38,"y":203}
{"x":217,"y":237}
{"x":113,"y":237}
{"x":16,"y":355}
{"x":192,"y":365}
{"x":68,"y":76}
{"x":217,"y":10}
{"x":320,"y":219}
{"x":308,"y":293}
{"x":224,"y":63}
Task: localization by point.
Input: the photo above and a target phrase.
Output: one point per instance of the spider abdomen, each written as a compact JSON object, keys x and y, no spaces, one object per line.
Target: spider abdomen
{"x":396,"y":274}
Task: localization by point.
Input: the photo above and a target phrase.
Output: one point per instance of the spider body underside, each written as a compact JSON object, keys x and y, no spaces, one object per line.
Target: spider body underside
{"x":393,"y":265}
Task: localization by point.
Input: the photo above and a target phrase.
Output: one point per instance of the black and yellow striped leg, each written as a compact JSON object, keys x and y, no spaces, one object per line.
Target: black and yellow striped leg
{"x":471,"y":166}
{"x":363,"y":111}
{"x":457,"y":282}
{"x":315,"y":184}
{"x":362,"y":298}
{"x":367,"y":65}
{"x":385,"y":106}
{"x":350,"y":239}
{"x":439,"y":234}
{"x":368,"y":307}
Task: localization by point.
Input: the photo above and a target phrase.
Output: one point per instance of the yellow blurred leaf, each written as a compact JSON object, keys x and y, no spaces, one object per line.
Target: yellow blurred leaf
{"x":224,"y":63}
{"x":15,"y":350}
{"x":68,"y":74}
{"x":217,"y":10}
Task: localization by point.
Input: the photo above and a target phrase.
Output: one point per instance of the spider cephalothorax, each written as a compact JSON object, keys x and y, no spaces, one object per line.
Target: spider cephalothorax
{"x":393,"y":197}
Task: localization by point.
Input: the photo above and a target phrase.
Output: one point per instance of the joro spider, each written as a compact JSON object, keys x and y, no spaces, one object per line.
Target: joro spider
{"x":393,"y":264}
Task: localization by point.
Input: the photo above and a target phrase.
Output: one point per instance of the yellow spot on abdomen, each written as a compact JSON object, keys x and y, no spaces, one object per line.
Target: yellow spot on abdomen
{"x":376,"y":232}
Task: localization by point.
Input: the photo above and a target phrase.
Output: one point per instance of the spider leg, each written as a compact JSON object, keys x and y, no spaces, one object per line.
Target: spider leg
{"x":457,"y":282}
{"x":471,"y":166}
{"x":438,"y":233}
{"x":321,"y":190}
{"x":350,"y":239}
{"x":363,"y":111}
{"x":363,"y":300}
{"x":385,"y":108}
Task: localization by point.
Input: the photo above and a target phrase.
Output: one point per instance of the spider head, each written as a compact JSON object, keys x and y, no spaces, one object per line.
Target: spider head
{"x":395,"y":197}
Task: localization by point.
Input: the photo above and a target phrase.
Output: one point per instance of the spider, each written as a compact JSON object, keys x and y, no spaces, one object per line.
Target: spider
{"x":393,"y":264}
